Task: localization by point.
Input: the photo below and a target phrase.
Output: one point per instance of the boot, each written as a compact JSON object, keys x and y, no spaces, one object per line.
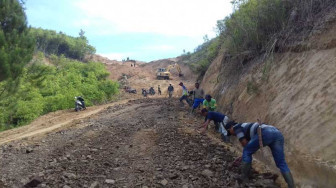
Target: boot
{"x":245,"y":172}
{"x":289,"y":179}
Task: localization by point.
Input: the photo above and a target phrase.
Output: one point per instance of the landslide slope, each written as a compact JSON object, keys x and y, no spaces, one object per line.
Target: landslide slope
{"x":294,"y":90}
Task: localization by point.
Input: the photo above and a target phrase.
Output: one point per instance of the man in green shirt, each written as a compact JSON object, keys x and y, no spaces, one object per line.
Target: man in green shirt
{"x":209,"y":103}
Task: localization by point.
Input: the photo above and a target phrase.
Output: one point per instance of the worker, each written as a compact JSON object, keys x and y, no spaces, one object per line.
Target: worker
{"x":159,"y":90}
{"x":170,"y":90}
{"x":184,"y":94}
{"x":248,"y":135}
{"x":209,"y":103}
{"x":198,"y":96}
{"x":220,"y":121}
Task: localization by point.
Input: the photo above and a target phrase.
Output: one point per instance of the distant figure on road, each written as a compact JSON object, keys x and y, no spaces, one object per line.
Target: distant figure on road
{"x":184,"y":95}
{"x":159,"y":90}
{"x":170,"y":90}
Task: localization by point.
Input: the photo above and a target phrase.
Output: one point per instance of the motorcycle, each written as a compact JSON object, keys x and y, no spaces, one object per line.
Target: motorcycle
{"x":79,"y":105}
{"x":151,"y":91}
{"x":130,"y":90}
{"x":144,"y":92}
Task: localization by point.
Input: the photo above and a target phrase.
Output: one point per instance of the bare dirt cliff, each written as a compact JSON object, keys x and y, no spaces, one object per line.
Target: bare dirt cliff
{"x":294,"y":90}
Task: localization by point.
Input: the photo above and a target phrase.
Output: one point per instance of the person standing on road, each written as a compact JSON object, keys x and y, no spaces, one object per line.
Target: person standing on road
{"x":184,"y":94}
{"x":159,"y":90}
{"x":209,"y":103}
{"x":248,"y":135}
{"x":170,"y":90}
{"x":198,"y":97}
{"x":220,"y":121}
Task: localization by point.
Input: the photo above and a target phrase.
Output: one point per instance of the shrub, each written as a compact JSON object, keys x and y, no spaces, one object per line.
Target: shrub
{"x":253,"y":24}
{"x":45,"y":89}
{"x":50,"y":42}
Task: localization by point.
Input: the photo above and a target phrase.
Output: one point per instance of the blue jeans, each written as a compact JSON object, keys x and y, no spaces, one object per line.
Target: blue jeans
{"x":197,"y":102}
{"x":272,"y":138}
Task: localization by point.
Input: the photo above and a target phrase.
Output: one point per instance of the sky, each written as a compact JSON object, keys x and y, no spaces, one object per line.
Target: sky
{"x":143,"y":30}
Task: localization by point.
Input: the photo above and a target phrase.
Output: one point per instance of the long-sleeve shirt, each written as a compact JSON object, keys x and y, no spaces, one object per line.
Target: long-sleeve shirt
{"x":184,"y":90}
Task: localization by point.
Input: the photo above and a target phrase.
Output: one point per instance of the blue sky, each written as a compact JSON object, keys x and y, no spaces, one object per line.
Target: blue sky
{"x":144,"y":30}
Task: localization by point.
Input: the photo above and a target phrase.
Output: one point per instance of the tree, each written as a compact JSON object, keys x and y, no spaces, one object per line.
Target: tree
{"x":220,"y":27}
{"x":81,"y":33}
{"x":205,"y":38}
{"x":16,"y":45}
{"x":51,"y":42}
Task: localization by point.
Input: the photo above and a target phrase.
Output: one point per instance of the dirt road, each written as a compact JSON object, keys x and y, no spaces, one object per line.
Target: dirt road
{"x":141,"y":143}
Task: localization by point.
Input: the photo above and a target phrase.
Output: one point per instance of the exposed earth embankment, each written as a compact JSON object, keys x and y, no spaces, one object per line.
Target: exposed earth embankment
{"x":293,"y":90}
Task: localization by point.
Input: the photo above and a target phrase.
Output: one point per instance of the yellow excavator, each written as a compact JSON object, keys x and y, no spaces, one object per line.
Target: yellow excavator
{"x":164,"y":73}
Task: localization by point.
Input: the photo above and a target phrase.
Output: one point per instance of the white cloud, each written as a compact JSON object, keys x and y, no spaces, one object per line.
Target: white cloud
{"x":171,"y":17}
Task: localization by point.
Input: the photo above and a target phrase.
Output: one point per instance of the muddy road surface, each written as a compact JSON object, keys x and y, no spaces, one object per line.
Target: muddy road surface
{"x":142,"y":143}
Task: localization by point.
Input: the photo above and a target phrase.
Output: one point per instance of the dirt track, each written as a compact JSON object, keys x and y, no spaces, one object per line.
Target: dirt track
{"x":134,"y":142}
{"x":146,"y":142}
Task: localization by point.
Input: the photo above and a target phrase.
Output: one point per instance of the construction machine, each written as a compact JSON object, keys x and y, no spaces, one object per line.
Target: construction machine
{"x":164,"y":73}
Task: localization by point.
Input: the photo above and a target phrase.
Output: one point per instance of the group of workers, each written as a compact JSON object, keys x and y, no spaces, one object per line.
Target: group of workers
{"x":151,"y":90}
{"x":252,"y":136}
{"x":198,"y":98}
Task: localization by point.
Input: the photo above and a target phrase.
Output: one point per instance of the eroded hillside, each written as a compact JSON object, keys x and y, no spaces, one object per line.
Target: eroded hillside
{"x":294,"y":90}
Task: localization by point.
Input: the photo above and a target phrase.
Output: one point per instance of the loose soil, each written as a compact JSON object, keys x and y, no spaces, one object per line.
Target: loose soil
{"x":141,"y":143}
{"x":134,"y":142}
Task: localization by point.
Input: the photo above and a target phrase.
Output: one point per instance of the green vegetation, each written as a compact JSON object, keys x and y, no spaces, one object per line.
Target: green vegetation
{"x":253,"y":24}
{"x":16,"y":45}
{"x":46,"y":88}
{"x":203,"y":56}
{"x":256,"y":27}
{"x":30,"y":87}
{"x":49,"y":42}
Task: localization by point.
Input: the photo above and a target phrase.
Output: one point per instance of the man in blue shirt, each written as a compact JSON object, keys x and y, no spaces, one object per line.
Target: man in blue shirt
{"x":248,"y":135}
{"x":220,"y":120}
